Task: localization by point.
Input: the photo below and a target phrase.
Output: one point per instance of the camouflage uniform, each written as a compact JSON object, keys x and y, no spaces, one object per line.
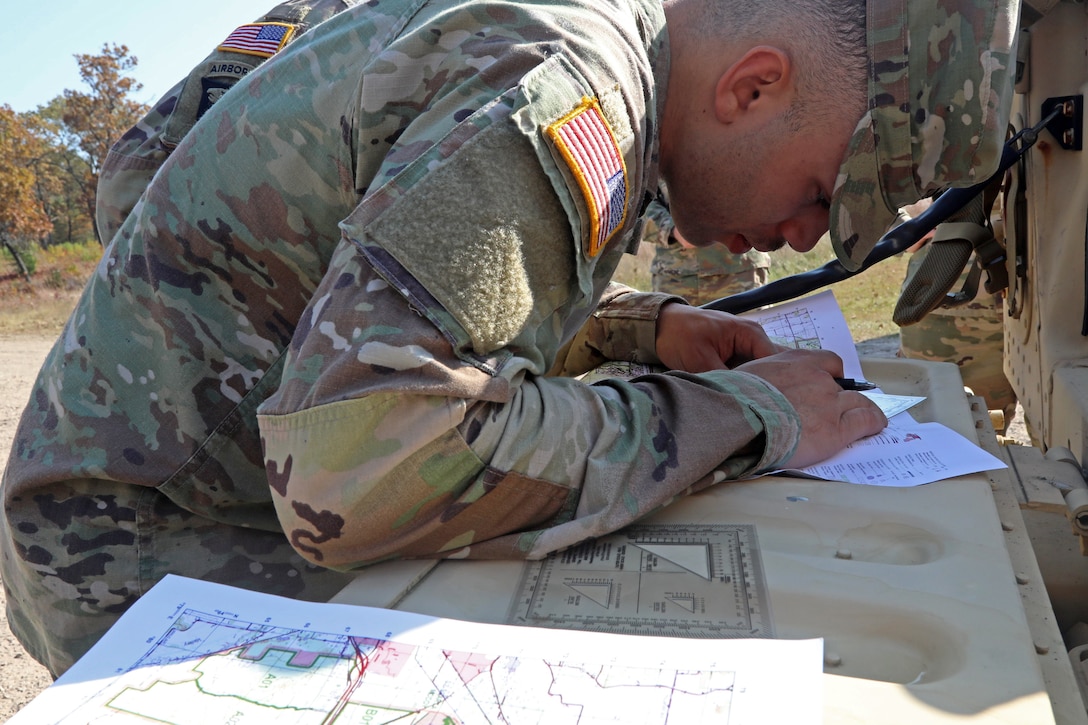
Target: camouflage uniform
{"x":699,"y":274}
{"x":939,"y":104}
{"x":340,"y":323}
{"x":972,"y":336}
{"x":954,"y":143}
{"x":135,"y":158}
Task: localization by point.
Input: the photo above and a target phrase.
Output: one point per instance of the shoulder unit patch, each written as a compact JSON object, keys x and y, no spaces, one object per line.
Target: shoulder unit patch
{"x":260,"y":39}
{"x":586,"y":142}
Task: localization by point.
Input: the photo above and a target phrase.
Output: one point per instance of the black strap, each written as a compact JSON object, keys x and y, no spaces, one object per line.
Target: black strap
{"x":943,"y":259}
{"x":895,"y":241}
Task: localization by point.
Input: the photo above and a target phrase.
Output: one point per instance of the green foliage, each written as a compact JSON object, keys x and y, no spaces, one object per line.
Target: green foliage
{"x":26,"y":255}
{"x":77,"y":252}
{"x":30,"y":259}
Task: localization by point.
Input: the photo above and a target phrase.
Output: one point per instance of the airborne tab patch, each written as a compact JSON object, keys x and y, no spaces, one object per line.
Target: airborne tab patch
{"x":585,"y":141}
{"x":261,"y":39}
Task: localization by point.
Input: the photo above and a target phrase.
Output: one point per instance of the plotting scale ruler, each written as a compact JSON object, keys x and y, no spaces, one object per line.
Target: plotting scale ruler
{"x":677,"y":580}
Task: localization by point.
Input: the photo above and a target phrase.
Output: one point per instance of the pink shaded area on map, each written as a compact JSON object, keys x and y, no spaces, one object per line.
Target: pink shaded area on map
{"x":470,"y":665}
{"x":385,"y":658}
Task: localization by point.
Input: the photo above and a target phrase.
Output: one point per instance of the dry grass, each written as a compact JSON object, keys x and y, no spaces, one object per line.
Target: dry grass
{"x":36,"y":315}
{"x":867,"y":299}
{"x":41,"y":305}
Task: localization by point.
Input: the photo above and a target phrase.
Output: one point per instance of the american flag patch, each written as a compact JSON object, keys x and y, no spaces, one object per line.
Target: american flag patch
{"x":263,"y":39}
{"x":586,"y":143}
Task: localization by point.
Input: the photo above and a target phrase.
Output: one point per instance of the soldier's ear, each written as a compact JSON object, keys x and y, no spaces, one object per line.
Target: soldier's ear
{"x":759,"y":82}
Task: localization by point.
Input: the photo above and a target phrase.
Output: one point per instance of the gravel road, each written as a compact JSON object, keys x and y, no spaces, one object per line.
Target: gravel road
{"x":21,"y":678}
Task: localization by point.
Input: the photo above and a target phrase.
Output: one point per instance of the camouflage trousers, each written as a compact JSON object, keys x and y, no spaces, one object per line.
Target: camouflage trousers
{"x":77,"y":554}
{"x":699,"y":289}
{"x":972,"y":337}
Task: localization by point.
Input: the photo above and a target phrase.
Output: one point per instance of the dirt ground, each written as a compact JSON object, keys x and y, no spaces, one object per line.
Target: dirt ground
{"x":21,"y":678}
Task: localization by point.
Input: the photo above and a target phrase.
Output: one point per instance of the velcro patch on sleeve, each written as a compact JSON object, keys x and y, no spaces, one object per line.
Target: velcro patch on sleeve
{"x":260,"y":39}
{"x":586,"y":142}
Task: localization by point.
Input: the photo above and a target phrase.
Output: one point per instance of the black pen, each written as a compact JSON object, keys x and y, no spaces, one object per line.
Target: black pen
{"x":852,"y":384}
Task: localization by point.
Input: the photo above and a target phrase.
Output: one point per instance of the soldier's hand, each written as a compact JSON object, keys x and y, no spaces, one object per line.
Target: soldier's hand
{"x":831,"y":418}
{"x":695,"y":340}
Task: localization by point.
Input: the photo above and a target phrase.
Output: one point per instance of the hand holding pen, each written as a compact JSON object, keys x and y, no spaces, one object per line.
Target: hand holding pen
{"x":853,"y":384}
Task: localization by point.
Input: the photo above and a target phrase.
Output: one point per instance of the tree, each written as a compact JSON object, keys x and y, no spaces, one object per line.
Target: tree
{"x":22,"y":219}
{"x":61,"y":175}
{"x":94,"y":121}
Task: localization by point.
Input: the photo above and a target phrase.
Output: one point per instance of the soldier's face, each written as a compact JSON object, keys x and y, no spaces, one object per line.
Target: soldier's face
{"x":765,"y":187}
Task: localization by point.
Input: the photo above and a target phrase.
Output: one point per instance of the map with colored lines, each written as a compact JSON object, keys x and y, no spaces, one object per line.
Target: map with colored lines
{"x":195,"y":652}
{"x":239,"y":671}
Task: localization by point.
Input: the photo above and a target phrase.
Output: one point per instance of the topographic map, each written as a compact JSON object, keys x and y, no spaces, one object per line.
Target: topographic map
{"x":194,"y":652}
{"x":236,"y":671}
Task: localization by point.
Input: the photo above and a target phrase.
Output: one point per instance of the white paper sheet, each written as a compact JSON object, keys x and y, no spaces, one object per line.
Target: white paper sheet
{"x":905,"y":453}
{"x":892,"y":405}
{"x":811,"y":323}
{"x":194,"y":652}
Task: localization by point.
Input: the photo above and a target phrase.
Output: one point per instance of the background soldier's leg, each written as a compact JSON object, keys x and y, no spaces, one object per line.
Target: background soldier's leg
{"x":972,"y":338}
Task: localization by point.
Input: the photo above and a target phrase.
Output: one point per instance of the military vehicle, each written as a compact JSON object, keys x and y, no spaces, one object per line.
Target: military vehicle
{"x":1037,"y":260}
{"x":1045,"y":207}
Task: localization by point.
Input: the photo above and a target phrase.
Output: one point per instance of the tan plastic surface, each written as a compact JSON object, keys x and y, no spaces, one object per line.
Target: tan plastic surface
{"x":1045,"y":350}
{"x":912,"y":589}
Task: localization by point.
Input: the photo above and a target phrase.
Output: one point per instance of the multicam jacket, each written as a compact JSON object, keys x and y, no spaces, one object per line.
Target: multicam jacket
{"x":349,"y":303}
{"x":698,"y":274}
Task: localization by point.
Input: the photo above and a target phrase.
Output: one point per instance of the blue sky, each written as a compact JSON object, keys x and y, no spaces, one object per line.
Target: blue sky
{"x":37,"y":43}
